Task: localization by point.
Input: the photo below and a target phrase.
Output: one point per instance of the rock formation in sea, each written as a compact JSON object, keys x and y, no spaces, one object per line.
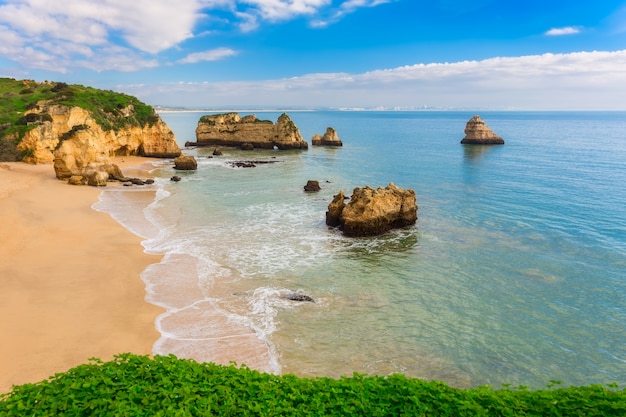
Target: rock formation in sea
{"x":312,"y":186}
{"x":232,"y":130}
{"x":296,"y":296}
{"x":330,"y":138}
{"x":185,"y":163}
{"x":478,"y":133}
{"x":371,"y":211}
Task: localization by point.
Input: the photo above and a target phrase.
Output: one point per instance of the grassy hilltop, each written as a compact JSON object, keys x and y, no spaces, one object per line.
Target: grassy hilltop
{"x":109,"y":109}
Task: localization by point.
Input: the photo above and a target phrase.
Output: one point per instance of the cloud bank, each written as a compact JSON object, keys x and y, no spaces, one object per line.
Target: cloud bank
{"x":122,"y":35}
{"x":582,"y":80}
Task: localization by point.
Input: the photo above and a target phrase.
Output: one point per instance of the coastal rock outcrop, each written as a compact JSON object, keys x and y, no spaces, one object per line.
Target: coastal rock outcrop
{"x":371,"y":211}
{"x":478,"y":133}
{"x":73,"y":140}
{"x":312,"y":186}
{"x":98,"y":179}
{"x":329,"y":138}
{"x":232,"y":130}
{"x":185,"y":163}
{"x":72,"y":134}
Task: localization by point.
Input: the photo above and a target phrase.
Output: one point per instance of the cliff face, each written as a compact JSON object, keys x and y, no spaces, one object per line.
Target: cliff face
{"x":72,"y":139}
{"x":230,"y":129}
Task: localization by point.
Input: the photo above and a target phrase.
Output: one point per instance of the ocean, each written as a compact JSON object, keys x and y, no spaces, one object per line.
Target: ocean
{"x":515,"y":272}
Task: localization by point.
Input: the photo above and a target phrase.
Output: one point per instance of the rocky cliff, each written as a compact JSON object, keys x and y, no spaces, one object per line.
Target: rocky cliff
{"x":329,"y":138}
{"x":371,"y":211}
{"x":478,"y":133}
{"x":232,"y":130}
{"x":72,"y":139}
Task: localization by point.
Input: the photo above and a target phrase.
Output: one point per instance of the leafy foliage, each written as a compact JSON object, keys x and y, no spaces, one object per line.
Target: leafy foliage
{"x":111,"y":110}
{"x":167,"y":386}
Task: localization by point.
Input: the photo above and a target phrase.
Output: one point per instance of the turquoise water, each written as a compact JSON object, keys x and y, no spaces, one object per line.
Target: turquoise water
{"x":514,"y":273}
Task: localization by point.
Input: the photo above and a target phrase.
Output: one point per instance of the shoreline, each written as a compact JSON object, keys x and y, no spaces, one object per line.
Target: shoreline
{"x":70,"y":276}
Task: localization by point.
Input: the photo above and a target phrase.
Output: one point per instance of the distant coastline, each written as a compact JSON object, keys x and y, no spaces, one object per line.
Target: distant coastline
{"x":248,"y":109}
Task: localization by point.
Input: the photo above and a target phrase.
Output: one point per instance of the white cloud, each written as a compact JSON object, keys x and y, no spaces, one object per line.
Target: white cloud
{"x":582,"y":80}
{"x":275,"y":10}
{"x":70,"y":34}
{"x":212,"y":55}
{"x":568,"y":30}
{"x":345,"y":8}
{"x":81,"y":33}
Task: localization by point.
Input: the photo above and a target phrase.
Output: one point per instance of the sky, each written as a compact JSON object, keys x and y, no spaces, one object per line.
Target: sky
{"x":391,"y":54}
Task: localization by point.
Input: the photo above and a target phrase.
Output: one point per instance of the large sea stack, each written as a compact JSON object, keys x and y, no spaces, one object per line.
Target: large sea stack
{"x":232,"y":130}
{"x":371,"y":212}
{"x":478,"y":133}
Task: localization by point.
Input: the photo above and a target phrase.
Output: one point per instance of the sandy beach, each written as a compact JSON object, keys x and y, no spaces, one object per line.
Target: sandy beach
{"x":69,"y":277}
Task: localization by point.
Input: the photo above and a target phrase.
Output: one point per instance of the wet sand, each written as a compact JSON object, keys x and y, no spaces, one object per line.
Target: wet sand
{"x":70,"y":286}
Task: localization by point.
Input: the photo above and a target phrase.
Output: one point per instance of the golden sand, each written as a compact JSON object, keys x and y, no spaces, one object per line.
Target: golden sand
{"x":70,"y":286}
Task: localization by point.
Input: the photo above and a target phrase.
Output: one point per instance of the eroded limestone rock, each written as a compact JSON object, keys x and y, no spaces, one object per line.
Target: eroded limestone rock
{"x":478,"y":133}
{"x":329,"y":138}
{"x":185,"y":163}
{"x":71,"y":138}
{"x":232,"y":130}
{"x":372,"y":211}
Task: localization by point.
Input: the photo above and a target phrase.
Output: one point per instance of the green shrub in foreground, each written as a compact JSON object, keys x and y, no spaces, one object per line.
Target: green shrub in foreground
{"x":132,"y":385}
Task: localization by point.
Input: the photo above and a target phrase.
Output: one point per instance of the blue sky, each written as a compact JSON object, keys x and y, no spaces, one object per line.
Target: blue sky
{"x":531,"y":54}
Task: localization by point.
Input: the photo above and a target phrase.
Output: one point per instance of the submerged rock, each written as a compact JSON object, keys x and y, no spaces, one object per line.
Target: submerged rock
{"x":478,"y":133}
{"x":294,"y":296}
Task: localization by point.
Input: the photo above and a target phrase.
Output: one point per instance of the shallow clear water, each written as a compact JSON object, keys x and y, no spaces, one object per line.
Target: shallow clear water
{"x":514,"y":272}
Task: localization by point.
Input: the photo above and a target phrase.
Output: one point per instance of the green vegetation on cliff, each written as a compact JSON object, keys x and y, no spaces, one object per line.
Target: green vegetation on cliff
{"x":111,"y":110}
{"x":133,"y":385}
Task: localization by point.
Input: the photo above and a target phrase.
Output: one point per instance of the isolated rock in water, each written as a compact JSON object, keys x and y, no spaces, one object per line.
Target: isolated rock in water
{"x":372,"y":212}
{"x":175,"y":178}
{"x":478,"y":133}
{"x":248,"y":132}
{"x":330,"y":138}
{"x":185,"y":163}
{"x":294,"y":296}
{"x":312,"y":186}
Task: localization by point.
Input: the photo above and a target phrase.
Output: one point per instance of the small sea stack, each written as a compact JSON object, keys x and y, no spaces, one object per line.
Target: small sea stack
{"x":478,"y":133}
{"x":330,"y":138}
{"x":185,"y":163}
